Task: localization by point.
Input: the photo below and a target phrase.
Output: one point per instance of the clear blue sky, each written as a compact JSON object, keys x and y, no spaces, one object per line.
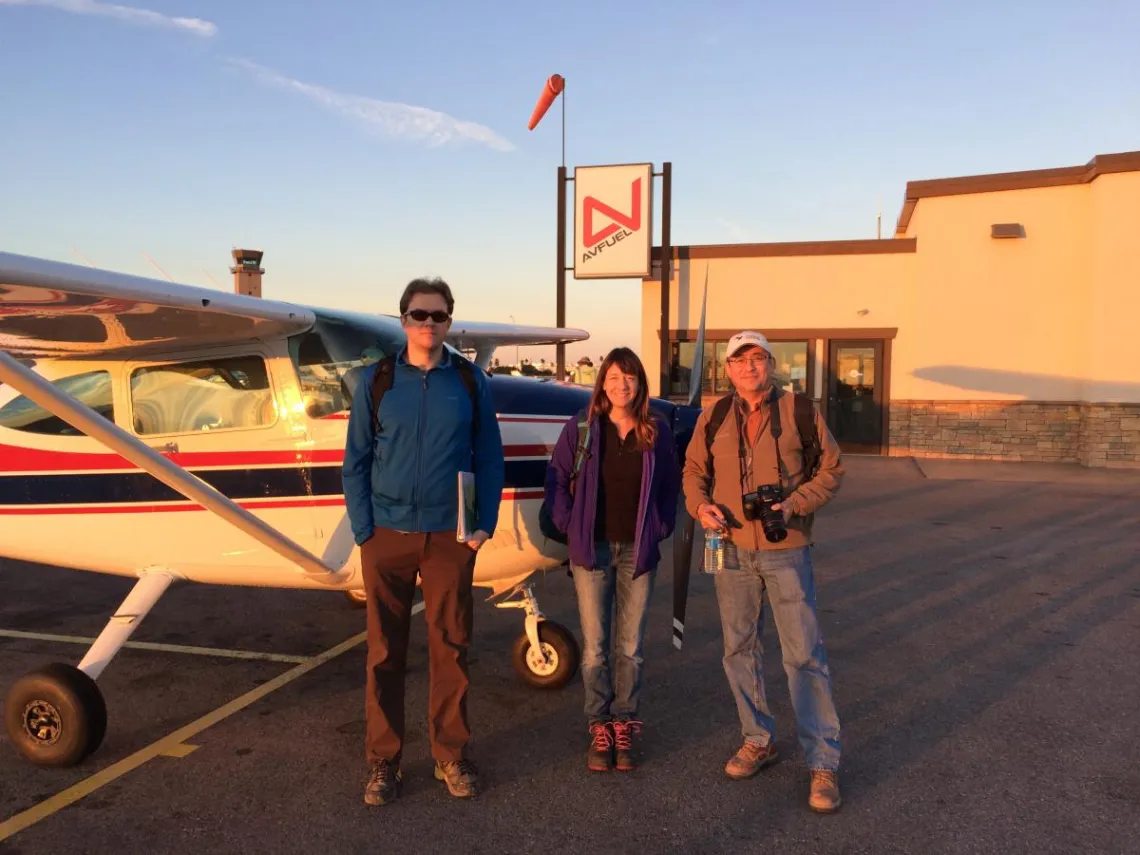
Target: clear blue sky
{"x":268,"y":124}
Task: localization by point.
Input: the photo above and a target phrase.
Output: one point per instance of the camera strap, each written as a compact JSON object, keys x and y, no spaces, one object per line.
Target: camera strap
{"x":776,"y":429}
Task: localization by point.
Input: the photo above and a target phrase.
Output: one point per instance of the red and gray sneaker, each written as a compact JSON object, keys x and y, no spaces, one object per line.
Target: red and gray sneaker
{"x":624,"y":732}
{"x":600,"y":756}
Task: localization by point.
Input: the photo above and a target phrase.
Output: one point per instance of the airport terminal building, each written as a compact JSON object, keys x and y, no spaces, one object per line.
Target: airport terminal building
{"x":1001,"y":321}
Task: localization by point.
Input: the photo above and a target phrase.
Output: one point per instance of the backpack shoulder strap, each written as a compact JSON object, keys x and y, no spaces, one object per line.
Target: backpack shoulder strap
{"x":809,"y":435}
{"x":467,"y":375}
{"x":583,"y":445}
{"x":716,"y":419}
{"x":381,"y":383}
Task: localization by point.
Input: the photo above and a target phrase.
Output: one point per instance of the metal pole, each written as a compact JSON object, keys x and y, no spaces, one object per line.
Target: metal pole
{"x":560,"y":281}
{"x":666,"y":270}
{"x":42,"y":392}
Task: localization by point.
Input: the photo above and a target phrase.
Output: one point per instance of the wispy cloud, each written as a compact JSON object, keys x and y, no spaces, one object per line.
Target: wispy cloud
{"x":389,"y":119}
{"x":129,"y":14}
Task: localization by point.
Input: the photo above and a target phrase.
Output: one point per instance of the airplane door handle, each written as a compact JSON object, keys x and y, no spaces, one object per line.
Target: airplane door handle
{"x":169,"y":448}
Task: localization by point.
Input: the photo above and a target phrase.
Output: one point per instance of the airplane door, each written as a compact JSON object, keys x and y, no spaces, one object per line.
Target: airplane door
{"x":223,"y":416}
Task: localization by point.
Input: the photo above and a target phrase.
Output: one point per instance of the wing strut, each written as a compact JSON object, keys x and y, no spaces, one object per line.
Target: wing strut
{"x":42,"y":392}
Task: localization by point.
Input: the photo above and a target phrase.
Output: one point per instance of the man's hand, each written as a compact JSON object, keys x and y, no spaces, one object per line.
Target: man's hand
{"x":477,"y":540}
{"x":710,"y":516}
{"x":787,"y":509}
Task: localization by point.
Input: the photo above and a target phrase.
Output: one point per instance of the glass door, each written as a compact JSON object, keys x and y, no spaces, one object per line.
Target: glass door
{"x":855,"y":405}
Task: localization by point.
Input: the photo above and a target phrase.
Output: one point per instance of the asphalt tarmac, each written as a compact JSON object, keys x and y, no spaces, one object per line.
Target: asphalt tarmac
{"x":982,"y":635}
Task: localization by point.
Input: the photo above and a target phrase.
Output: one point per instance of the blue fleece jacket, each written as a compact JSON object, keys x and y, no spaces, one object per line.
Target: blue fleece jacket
{"x":405,"y":477}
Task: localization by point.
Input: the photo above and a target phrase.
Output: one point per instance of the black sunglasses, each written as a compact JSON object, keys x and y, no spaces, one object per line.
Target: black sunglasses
{"x":421,"y":315}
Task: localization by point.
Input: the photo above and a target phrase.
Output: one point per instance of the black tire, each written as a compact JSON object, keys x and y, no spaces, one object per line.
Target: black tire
{"x":561,"y":645}
{"x":55,"y":715}
{"x":356,"y":597}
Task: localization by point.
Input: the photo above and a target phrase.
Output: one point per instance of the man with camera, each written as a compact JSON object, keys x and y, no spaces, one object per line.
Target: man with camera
{"x":760,"y":464}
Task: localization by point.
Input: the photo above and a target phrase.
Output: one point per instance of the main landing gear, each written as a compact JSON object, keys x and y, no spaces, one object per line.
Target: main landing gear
{"x":546,"y":655}
{"x":55,"y":715}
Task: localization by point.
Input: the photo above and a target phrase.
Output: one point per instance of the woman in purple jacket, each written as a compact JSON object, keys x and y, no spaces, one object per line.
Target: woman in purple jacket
{"x":622,"y":503}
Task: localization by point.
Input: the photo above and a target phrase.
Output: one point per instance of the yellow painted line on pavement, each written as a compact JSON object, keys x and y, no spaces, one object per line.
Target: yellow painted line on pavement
{"x":165,"y":648}
{"x":171,"y":742}
{"x":179,"y":751}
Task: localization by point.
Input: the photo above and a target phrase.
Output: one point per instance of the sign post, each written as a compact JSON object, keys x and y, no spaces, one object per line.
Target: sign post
{"x":613,"y":236}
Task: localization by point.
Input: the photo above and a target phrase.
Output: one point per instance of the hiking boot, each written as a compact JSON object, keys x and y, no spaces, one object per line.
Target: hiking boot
{"x":459,"y":775}
{"x":600,"y":755}
{"x":624,"y":732}
{"x":383,"y":785}
{"x":750,"y":759}
{"x":824,"y":796}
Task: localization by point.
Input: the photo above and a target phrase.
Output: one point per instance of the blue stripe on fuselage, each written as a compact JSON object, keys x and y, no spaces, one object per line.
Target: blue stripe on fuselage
{"x":275,"y":483}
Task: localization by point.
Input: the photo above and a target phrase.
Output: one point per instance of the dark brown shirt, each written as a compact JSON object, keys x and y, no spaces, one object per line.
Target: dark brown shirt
{"x":619,"y":490}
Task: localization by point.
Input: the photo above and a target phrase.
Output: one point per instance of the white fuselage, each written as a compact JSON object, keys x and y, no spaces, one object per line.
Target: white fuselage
{"x":273,"y":444}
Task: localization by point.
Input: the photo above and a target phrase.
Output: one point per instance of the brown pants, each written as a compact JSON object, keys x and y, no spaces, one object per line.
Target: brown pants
{"x":390,"y":561}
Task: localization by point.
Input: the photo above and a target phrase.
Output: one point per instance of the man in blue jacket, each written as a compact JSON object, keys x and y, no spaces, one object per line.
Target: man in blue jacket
{"x":400,"y":486}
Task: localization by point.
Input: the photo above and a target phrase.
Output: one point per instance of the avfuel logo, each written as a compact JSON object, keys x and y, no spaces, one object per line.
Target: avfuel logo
{"x":613,"y":221}
{"x":621,"y":226}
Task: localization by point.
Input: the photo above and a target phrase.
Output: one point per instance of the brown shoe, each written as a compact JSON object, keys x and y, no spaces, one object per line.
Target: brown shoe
{"x":824,"y":796}
{"x":750,"y":759}
{"x":460,"y":777}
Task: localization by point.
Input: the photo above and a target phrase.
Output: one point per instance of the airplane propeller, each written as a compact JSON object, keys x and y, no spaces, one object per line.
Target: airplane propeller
{"x":685,"y":533}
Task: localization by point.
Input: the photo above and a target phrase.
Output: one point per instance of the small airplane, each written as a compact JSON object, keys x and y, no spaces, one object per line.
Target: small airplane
{"x":167,"y":432}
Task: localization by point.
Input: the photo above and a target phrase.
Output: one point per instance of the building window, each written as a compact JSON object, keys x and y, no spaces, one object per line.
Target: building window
{"x":790,"y":370}
{"x":225,"y":393}
{"x":92,"y":389}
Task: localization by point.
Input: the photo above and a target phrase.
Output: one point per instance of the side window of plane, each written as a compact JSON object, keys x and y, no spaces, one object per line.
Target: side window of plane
{"x":92,"y":388}
{"x":224,"y":393}
{"x":325,"y":355}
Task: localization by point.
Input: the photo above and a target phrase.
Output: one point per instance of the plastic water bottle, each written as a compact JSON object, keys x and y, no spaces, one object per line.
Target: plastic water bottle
{"x":714,"y":551}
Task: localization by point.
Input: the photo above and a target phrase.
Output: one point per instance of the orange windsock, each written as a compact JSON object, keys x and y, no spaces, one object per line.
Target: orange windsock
{"x":554,"y":86}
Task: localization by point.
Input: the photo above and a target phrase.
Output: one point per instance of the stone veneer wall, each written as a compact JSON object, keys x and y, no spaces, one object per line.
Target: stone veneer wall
{"x":1099,"y":435}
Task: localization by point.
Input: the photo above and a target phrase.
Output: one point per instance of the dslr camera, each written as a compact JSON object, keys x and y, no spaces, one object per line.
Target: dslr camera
{"x":758,"y":506}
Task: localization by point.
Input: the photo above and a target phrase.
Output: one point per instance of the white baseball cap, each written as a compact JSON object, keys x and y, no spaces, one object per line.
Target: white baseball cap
{"x":748,"y":338}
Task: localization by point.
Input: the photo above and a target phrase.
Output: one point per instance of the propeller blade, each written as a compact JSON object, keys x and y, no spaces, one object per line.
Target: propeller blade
{"x":686,"y":529}
{"x":683,"y":537}
{"x":697,"y":376}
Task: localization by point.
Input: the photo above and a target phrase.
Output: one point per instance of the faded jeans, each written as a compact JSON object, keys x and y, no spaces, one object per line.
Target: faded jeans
{"x":610,"y":593}
{"x":786,"y":574}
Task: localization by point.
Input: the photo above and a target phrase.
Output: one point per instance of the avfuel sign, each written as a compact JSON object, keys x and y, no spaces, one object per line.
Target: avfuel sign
{"x":613,"y":221}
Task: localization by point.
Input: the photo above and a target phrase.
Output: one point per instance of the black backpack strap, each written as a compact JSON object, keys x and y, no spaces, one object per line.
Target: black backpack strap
{"x":381,"y":383}
{"x":809,"y":435}
{"x":716,"y":419}
{"x":467,"y":375}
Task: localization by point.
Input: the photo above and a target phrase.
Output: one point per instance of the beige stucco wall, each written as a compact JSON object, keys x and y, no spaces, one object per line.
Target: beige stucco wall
{"x":999,"y":319}
{"x":781,"y":293}
{"x":1051,"y":317}
{"x":1113,"y":314}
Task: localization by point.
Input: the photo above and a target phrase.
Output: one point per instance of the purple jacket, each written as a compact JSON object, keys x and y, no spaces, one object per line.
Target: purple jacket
{"x":657,"y":508}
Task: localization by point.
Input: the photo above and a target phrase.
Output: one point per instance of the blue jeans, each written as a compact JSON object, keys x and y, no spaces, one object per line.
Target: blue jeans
{"x":787,"y":576}
{"x":604,"y":594}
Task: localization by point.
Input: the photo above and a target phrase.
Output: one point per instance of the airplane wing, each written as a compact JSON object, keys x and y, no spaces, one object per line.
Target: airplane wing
{"x":54,"y":309}
{"x":484,"y":337}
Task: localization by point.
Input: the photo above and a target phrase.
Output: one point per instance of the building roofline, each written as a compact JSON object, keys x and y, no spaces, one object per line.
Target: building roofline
{"x":775,"y":250}
{"x":1102,"y":164}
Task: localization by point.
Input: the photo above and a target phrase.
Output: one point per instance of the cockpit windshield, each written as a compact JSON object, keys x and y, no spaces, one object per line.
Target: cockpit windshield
{"x":331,"y":349}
